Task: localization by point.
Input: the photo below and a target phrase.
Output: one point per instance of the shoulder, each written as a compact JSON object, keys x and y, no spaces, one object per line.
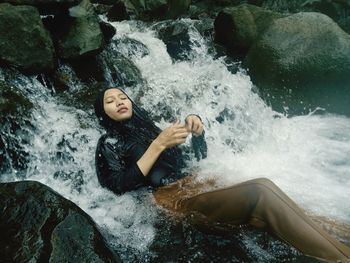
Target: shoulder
{"x":109,"y":139}
{"x":110,"y":143}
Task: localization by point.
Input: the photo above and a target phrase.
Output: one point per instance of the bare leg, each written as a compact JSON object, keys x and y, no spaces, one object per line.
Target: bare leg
{"x":262,"y":204}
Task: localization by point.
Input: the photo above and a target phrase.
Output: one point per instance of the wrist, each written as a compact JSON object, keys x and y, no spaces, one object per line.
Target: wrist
{"x":157,"y":145}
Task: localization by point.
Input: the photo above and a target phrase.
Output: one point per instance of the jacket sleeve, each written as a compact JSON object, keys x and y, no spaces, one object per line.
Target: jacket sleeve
{"x":114,"y":171}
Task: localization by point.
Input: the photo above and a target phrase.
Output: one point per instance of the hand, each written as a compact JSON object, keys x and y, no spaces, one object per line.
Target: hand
{"x":194,"y":125}
{"x":173,"y":135}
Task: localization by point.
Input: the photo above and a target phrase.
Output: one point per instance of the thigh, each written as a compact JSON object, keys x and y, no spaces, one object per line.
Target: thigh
{"x":230,"y":205}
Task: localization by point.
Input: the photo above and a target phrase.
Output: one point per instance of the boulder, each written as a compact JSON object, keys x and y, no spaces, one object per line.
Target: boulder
{"x":46,"y":7}
{"x":339,"y":11}
{"x":120,"y":70}
{"x":15,"y":111}
{"x":25,"y":43}
{"x":157,"y":9}
{"x":79,"y":33}
{"x":195,"y":239}
{"x":286,"y":6}
{"x":39,"y":225}
{"x":132,"y":48}
{"x":304,"y":52}
{"x":237,"y":28}
{"x":107,"y":30}
{"x":176,"y":37}
{"x":118,"y":12}
{"x":204,"y":8}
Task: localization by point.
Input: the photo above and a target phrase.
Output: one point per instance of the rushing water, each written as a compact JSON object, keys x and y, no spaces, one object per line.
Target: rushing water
{"x":307,"y":156}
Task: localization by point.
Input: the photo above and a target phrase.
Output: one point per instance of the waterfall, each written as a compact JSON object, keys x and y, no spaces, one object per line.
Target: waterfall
{"x":306,"y":156}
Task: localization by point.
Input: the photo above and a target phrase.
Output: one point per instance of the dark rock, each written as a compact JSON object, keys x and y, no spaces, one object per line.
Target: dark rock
{"x":108,"y":30}
{"x":194,"y":239}
{"x":157,"y":9}
{"x":102,"y":9}
{"x":208,"y":8}
{"x":118,"y":12}
{"x":176,"y":37}
{"x":46,"y":7}
{"x":306,"y":53}
{"x":146,"y":10}
{"x":283,"y":6}
{"x":25,"y":43}
{"x":237,"y":28}
{"x":87,"y":69}
{"x":104,"y":2}
{"x":132,"y":48}
{"x":120,"y":69}
{"x":177,"y":8}
{"x":15,"y":111}
{"x":39,"y":225}
{"x":205,"y":27}
{"x":79,"y":33}
{"x":339,"y":11}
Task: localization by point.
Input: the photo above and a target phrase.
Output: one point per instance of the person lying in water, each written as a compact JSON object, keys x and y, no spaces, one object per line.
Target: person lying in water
{"x":135,"y":153}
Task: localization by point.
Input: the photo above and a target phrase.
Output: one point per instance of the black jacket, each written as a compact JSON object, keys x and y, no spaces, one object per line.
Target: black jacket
{"x":117,"y":169}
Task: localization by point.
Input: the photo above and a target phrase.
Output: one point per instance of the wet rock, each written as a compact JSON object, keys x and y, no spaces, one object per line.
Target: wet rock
{"x":46,"y":6}
{"x":177,"y":8}
{"x":108,"y":31}
{"x":131,"y":48}
{"x":237,"y":28}
{"x":39,"y":225}
{"x":118,"y":12}
{"x":284,"y":6}
{"x":194,"y":239}
{"x":208,"y":8}
{"x":205,"y":27}
{"x":120,"y":70}
{"x":87,"y":69}
{"x":25,"y":43}
{"x":78,"y":33}
{"x":102,"y":9}
{"x":157,"y":9}
{"x":15,"y":111}
{"x":305,"y":53}
{"x":176,"y":37}
{"x":339,"y":11}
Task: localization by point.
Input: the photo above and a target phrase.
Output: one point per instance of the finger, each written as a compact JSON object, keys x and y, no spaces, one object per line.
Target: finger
{"x":199,"y":129}
{"x":190,"y":124}
{"x":195,"y":127}
{"x":182,"y":135}
{"x":180,"y":129}
{"x":176,"y":122}
{"x":180,"y":141}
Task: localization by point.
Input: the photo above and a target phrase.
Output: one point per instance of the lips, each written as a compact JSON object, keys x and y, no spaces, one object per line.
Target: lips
{"x":122,"y":109}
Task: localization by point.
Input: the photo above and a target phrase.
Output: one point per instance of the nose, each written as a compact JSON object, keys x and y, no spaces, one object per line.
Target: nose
{"x":119,"y":102}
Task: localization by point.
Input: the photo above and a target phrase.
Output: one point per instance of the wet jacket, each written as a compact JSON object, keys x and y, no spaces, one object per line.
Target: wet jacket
{"x":117,"y":169}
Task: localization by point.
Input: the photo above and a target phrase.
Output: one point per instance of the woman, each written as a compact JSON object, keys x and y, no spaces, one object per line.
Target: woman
{"x":135,"y":153}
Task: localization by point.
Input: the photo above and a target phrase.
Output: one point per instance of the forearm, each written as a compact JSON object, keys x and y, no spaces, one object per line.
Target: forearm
{"x":149,"y":158}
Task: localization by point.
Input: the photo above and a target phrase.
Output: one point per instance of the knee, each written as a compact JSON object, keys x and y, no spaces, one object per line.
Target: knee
{"x":263,"y":186}
{"x":265,"y":182}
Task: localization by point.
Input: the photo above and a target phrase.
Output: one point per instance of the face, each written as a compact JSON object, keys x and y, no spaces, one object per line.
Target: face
{"x":117,"y":105}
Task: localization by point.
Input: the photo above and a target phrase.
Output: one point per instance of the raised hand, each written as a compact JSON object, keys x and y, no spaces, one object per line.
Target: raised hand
{"x":194,"y":125}
{"x":173,"y":135}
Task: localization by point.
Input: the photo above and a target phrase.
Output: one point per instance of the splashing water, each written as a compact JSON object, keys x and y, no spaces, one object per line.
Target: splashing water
{"x":306,"y":156}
